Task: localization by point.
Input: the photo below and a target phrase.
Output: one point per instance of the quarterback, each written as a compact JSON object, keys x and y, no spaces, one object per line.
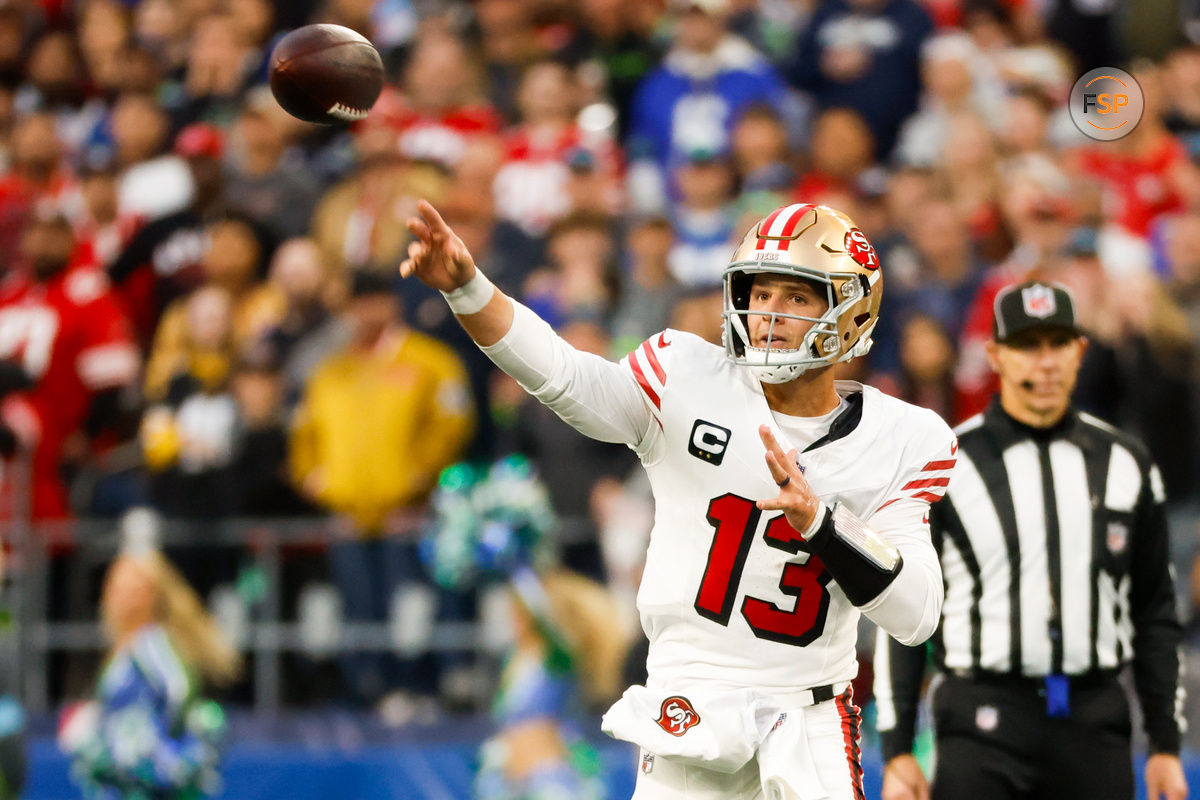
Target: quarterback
{"x":787,"y":503}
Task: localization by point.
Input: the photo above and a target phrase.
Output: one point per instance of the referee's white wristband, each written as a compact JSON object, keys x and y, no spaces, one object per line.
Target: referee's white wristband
{"x":472,"y":296}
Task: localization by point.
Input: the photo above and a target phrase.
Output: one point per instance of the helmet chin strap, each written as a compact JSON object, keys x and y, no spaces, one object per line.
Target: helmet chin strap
{"x":778,"y":373}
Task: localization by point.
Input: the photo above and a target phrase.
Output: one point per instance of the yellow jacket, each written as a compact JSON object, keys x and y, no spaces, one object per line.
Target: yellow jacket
{"x":375,"y":428}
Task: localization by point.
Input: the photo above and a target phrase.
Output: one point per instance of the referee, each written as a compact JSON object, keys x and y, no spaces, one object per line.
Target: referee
{"x":1054,"y":552}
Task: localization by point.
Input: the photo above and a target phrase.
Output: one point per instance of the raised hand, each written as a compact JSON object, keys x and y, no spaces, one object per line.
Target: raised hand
{"x":437,"y":257}
{"x":796,"y":499}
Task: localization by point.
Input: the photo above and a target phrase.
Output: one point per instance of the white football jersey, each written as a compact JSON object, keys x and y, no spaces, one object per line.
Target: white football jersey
{"x":730,"y":597}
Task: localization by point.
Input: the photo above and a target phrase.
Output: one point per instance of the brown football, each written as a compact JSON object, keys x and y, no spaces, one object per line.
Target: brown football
{"x":326,"y":74}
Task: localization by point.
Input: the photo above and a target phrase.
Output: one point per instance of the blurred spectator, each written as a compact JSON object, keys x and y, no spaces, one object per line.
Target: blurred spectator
{"x":540,"y":152}
{"x":616,"y":51}
{"x":93,"y":210}
{"x":257,"y":182}
{"x":575,"y":469}
{"x":1158,"y":356}
{"x":703,"y":219}
{"x":68,"y":354}
{"x":926,"y":374}
{"x":149,"y":731}
{"x":161,"y":27}
{"x":508,"y":43}
{"x":105,"y":33}
{"x":162,"y":262}
{"x":842,"y":152}
{"x":441,"y":107}
{"x":1038,"y":213}
{"x":360,"y":221}
{"x":698,"y":311}
{"x":13,"y":31}
{"x":260,"y":475}
{"x":154,"y":183}
{"x":759,"y":149}
{"x":865,"y":55}
{"x":188,"y":433}
{"x":1182,"y":113}
{"x":378,"y":422}
{"x":1088,"y":30}
{"x":35,"y":173}
{"x":298,"y":274}
{"x":946,"y":280}
{"x":1137,"y":170}
{"x":970,"y":167}
{"x":1026,"y":129}
{"x":55,"y":82}
{"x":955,"y":78}
{"x":691,"y":101}
{"x":221,"y":63}
{"x":578,"y":281}
{"x":233,"y":262}
{"x":648,"y":290}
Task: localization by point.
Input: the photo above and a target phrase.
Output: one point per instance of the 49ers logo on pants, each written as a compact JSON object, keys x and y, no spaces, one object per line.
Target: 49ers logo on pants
{"x":677,"y":716}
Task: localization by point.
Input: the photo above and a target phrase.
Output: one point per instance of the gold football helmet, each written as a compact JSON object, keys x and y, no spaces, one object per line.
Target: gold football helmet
{"x":819,"y":245}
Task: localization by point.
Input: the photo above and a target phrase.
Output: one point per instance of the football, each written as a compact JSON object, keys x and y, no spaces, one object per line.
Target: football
{"x":326,"y":74}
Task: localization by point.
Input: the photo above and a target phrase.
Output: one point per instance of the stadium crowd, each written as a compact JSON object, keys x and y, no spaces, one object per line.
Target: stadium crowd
{"x":199,"y":309}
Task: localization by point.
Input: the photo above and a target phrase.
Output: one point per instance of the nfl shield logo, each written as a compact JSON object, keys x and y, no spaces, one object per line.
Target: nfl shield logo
{"x":647,"y":763}
{"x":1118,"y":536}
{"x":987,"y":718}
{"x":1038,"y":301}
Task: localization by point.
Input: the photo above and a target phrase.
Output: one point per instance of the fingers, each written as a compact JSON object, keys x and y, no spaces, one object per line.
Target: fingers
{"x":437,"y":225}
{"x":417,"y":228}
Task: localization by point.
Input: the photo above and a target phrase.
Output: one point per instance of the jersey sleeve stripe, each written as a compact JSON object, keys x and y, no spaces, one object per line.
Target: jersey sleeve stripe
{"x":930,"y":496}
{"x":936,"y":465}
{"x":641,"y":379}
{"x":925,"y":483}
{"x":652,"y":359}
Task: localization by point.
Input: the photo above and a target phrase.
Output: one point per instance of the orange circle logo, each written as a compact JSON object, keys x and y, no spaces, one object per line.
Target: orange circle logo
{"x":1106,"y":103}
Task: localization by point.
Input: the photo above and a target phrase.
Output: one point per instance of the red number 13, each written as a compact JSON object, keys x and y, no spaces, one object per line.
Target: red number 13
{"x":735,"y":519}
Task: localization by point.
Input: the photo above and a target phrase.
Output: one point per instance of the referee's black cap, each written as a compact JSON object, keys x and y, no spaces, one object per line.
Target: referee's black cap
{"x":1033,"y":305}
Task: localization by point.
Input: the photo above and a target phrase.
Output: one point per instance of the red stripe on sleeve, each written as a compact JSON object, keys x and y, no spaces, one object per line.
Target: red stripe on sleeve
{"x":652,"y":358}
{"x":641,"y":379}
{"x":932,"y":465}
{"x":925,"y":483}
{"x":930,"y":496}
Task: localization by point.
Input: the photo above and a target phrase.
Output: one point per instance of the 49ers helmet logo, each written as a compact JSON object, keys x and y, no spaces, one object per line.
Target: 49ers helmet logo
{"x":677,"y":716}
{"x":859,"y":247}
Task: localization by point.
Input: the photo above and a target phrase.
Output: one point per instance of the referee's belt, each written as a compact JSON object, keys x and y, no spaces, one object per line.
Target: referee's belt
{"x":1092,"y":679}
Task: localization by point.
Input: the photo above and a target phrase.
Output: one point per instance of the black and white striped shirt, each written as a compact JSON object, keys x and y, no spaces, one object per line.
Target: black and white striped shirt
{"x":1054,"y":552}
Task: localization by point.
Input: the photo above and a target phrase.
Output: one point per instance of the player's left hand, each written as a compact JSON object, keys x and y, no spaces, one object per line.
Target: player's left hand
{"x":1164,"y":778}
{"x":796,"y":499}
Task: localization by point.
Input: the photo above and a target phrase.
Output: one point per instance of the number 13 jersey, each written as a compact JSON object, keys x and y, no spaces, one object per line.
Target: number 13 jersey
{"x":730,"y":598}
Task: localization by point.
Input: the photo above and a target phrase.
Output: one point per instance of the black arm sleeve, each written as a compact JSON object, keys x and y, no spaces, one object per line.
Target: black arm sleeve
{"x":1156,"y":630}
{"x":902,"y":672}
{"x":860,"y":578}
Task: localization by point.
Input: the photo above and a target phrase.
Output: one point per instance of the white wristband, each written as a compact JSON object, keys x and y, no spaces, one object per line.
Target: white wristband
{"x":472,"y":296}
